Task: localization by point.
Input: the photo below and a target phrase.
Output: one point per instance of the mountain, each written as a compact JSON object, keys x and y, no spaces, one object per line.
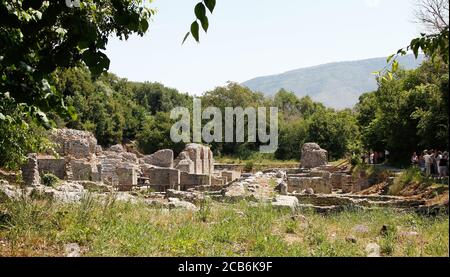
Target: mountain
{"x":337,"y":85}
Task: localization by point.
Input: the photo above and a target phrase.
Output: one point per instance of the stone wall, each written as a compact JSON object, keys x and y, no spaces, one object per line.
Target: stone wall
{"x":30,"y":171}
{"x":230,"y":176}
{"x":188,"y":181}
{"x":317,"y":184}
{"x":55,"y":166}
{"x":162,"y":158}
{"x":74,"y":143}
{"x":164,"y":177}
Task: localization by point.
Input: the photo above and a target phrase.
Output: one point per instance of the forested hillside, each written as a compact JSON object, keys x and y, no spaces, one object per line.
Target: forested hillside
{"x":336,"y":85}
{"x":403,"y":114}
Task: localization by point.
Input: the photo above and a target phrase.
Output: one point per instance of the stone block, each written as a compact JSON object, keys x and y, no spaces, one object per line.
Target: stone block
{"x":230,"y":176}
{"x":30,"y":171}
{"x":55,"y":166}
{"x":313,"y":156}
{"x":317,"y":184}
{"x":164,"y":177}
{"x":82,"y":170}
{"x":127,"y":176}
{"x":162,"y":158}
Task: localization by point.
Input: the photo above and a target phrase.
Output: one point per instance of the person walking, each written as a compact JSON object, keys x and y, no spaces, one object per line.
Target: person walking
{"x":443,"y":165}
{"x":414,"y":159}
{"x":428,"y":162}
{"x":422,"y":164}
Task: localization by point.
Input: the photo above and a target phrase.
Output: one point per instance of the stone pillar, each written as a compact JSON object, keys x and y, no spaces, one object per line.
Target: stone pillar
{"x":30,"y":171}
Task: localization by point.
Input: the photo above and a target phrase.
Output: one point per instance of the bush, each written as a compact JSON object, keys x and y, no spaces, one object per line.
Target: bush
{"x":50,"y":180}
{"x":249,"y":166}
{"x":355,"y":160}
{"x":406,"y":178}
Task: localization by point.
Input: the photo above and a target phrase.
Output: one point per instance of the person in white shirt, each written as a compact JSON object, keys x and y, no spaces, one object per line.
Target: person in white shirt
{"x":428,"y":162}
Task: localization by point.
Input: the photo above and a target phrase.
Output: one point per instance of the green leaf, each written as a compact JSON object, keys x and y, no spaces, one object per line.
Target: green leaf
{"x":144,"y":25}
{"x":2,"y":117}
{"x":200,"y":11}
{"x":395,"y":66}
{"x":186,"y":37}
{"x":390,"y":76}
{"x":210,"y":4}
{"x":205,"y":24}
{"x":194,"y":31}
{"x":390,"y":58}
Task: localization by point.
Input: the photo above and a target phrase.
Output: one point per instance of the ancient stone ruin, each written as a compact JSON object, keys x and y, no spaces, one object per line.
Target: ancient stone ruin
{"x":81,"y":159}
{"x":313,"y":156}
{"x":191,"y":177}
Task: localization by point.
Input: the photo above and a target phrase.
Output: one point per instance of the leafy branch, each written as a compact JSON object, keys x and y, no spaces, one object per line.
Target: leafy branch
{"x":201,"y":19}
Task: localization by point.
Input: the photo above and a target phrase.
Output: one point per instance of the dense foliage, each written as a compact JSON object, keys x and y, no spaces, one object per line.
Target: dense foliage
{"x":408,"y":112}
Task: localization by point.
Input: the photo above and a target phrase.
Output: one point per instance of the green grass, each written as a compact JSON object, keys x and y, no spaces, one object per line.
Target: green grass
{"x":257,"y":159}
{"x":408,"y":177}
{"x":41,"y":228}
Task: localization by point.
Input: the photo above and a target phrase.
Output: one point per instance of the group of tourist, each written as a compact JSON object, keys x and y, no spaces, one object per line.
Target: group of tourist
{"x":375,"y":157}
{"x":432,"y":163}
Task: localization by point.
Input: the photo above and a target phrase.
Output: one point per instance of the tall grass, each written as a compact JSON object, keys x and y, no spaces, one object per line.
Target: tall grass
{"x":411,"y":176}
{"x":111,"y":228}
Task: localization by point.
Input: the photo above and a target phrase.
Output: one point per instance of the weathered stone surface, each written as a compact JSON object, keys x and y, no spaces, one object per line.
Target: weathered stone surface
{"x":282,"y":188}
{"x":95,"y":187}
{"x":218,"y":181}
{"x":30,"y":171}
{"x":162,"y":158}
{"x":373,"y":250}
{"x":313,"y":156}
{"x":164,"y":177}
{"x":191,"y":197}
{"x":175,"y":203}
{"x":200,"y":155}
{"x":281,"y":174}
{"x":117,"y":148}
{"x":78,"y":144}
{"x":338,"y":179}
{"x":72,"y":250}
{"x":235,"y":192}
{"x":361,"y":229}
{"x":186,"y":165}
{"x":126,"y":176}
{"x":82,"y":170}
{"x":68,"y":192}
{"x":9,"y":192}
{"x":230,"y":176}
{"x":55,"y":166}
{"x":318,"y":184}
{"x":193,"y":180}
{"x":285,"y":202}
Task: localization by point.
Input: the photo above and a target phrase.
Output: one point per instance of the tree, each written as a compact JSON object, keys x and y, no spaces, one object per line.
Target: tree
{"x":336,"y":132}
{"x":433,"y":15}
{"x":233,"y":95}
{"x":407,"y":113}
{"x":292,"y":136}
{"x":155,"y":133}
{"x":37,"y":37}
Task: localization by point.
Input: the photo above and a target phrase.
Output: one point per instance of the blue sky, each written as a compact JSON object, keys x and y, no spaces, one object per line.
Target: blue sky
{"x":251,"y":38}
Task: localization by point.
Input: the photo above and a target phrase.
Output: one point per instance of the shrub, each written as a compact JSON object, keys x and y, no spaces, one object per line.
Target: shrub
{"x":248,"y":166}
{"x":50,"y":180}
{"x":408,"y":177}
{"x":355,"y":160}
